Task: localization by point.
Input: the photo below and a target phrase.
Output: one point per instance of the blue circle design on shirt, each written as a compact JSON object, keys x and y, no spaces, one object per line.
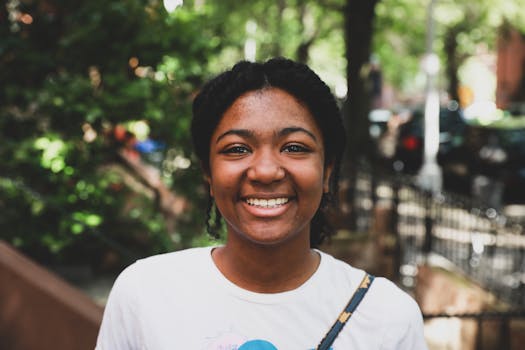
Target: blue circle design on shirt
{"x":257,"y":345}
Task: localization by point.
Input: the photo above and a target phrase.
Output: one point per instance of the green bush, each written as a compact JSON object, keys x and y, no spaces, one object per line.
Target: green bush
{"x":71,"y":73}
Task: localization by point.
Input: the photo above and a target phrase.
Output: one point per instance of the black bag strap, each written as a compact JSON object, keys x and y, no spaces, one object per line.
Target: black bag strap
{"x":347,"y":312}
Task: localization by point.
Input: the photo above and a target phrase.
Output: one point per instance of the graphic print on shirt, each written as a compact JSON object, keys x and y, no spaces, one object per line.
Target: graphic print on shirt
{"x":257,"y":345}
{"x":226,"y":341}
{"x":232,"y":341}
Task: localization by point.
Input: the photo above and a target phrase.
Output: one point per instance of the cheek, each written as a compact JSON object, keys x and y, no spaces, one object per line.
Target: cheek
{"x":311,"y":178}
{"x":223,"y":178}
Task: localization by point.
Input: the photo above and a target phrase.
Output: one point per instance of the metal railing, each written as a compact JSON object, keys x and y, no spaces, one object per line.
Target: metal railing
{"x":478,"y":241}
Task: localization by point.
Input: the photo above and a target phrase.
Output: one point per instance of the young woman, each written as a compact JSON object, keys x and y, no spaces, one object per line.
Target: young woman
{"x":270,"y":140}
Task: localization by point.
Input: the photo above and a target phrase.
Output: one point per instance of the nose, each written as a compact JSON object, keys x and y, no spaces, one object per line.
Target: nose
{"x":266,"y":168}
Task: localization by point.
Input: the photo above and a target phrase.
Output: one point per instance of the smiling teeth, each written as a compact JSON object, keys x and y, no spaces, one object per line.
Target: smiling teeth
{"x":267,"y":203}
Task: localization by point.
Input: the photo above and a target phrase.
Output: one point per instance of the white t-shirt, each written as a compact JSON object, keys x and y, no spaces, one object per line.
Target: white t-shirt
{"x":181,"y":300}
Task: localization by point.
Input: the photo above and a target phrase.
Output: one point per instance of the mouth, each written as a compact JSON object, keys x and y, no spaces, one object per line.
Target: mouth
{"x":267,"y":203}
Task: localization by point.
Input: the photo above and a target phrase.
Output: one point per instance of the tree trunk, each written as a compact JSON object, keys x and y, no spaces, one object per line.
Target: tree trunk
{"x":303,"y":49}
{"x":359,"y":17}
{"x":453,"y":62}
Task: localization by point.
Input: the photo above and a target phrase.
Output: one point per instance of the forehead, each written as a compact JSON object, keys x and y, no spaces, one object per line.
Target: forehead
{"x":269,"y":108}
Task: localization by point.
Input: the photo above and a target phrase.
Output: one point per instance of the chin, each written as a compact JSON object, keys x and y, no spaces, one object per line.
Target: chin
{"x":267,"y":233}
{"x":269,"y":238}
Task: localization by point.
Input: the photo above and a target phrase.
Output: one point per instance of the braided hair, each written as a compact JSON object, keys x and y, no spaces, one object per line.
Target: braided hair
{"x":297,"y":79}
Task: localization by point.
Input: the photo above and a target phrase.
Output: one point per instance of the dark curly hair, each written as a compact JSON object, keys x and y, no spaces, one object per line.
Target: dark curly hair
{"x":298,"y":80}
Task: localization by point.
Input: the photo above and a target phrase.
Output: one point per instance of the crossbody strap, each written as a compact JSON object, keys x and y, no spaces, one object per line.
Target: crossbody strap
{"x":347,"y":312}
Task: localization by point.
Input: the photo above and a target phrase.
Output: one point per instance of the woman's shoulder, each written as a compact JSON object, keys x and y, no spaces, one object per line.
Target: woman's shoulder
{"x":180,"y":256}
{"x":384,"y":298}
{"x":177,"y":263}
{"x":341,"y":272}
{"x":392,"y":296}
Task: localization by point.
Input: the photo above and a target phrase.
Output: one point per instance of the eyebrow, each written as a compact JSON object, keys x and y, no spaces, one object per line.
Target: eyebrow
{"x":291,"y":130}
{"x":240,"y":132}
{"x":250,"y":134}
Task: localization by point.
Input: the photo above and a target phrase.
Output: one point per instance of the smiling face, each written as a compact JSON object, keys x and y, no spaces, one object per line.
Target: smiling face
{"x":267,"y":167}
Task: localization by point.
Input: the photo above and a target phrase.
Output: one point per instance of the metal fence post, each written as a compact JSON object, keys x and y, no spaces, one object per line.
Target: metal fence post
{"x":394,"y":221}
{"x":429,"y":223}
{"x":479,"y":335}
{"x":505,"y":334}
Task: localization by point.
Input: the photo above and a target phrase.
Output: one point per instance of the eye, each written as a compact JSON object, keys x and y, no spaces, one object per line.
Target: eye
{"x":295,"y":148}
{"x":237,"y":149}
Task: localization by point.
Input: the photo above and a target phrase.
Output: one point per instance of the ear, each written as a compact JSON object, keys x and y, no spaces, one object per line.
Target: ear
{"x":207,"y":179}
{"x":329,"y":167}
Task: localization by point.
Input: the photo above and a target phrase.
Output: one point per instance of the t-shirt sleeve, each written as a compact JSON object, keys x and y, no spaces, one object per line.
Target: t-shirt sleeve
{"x":408,"y":334}
{"x":120,"y":325}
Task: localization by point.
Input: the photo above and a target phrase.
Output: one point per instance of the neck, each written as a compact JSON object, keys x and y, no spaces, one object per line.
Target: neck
{"x":266,"y":268}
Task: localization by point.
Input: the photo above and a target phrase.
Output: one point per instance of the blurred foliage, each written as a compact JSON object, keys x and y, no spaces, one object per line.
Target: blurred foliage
{"x":399,"y":43}
{"x":71,"y":72}
{"x":461,"y":28}
{"x":304,"y":30}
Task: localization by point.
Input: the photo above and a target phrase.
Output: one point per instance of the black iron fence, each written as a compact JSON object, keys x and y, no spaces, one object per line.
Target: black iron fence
{"x":478,"y":241}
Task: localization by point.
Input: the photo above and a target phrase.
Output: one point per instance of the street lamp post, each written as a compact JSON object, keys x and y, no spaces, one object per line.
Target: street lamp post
{"x":430,"y":176}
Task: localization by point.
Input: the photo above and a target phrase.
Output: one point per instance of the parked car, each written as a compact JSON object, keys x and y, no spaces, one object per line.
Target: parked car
{"x":408,"y":153}
{"x":497,"y":160}
{"x":478,"y":158}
